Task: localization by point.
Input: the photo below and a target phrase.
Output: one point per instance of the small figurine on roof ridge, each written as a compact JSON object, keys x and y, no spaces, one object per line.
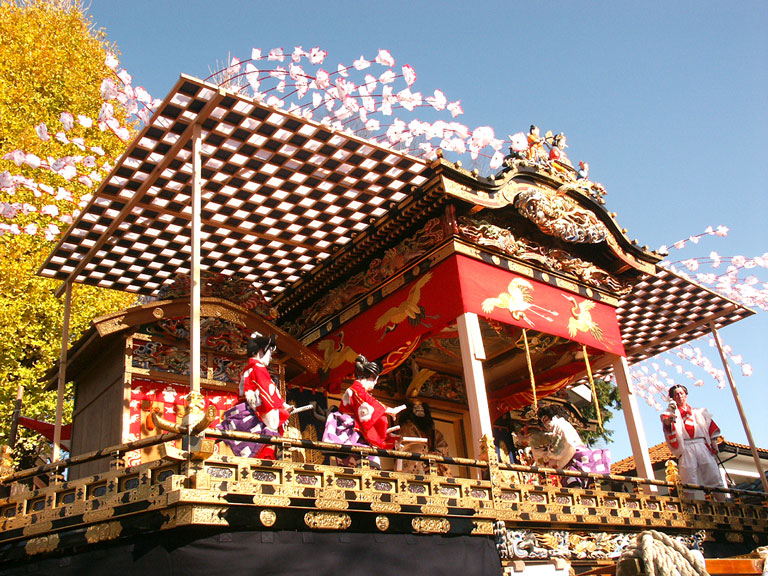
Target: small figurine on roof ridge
{"x":527,"y":150}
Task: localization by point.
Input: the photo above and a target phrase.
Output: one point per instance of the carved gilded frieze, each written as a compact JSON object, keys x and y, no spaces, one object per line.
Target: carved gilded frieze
{"x":42,"y":544}
{"x":486,"y":233}
{"x":327,"y":520}
{"x":331,"y":504}
{"x":379,"y":269}
{"x":388,"y":507}
{"x":271,"y":501}
{"x":425,"y":525}
{"x":103,"y":532}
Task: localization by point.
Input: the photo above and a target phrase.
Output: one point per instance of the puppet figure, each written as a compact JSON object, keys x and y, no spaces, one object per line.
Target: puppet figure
{"x":261,"y":409}
{"x":370,"y":415}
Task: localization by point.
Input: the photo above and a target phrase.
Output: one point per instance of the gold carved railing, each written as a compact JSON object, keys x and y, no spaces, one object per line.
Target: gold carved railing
{"x":522,"y":507}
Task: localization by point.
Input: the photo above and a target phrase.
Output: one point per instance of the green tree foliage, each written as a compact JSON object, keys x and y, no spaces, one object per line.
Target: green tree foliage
{"x":51,"y":61}
{"x":610,"y":401}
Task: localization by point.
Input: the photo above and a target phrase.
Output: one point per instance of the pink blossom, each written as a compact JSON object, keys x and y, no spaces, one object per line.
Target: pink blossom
{"x":385,"y":58}
{"x":123,"y":133}
{"x":107,"y":111}
{"x":361,"y":63}
{"x":67,"y":121}
{"x":86,"y":181}
{"x":278,"y":72}
{"x":409,"y":74}
{"x":438,"y":101}
{"x":738,"y":261}
{"x":252,"y":75}
{"x":42,"y":132}
{"x":387,"y":77}
{"x":108,"y":90}
{"x":316,"y":55}
{"x":125,"y":78}
{"x":342,"y":71}
{"x":32,"y":161}
{"x":372,"y":125}
{"x":746,"y":370}
{"x":455,"y":108}
{"x":111,"y":61}
{"x":409,"y":100}
{"x":50,"y":210}
{"x":256,"y":54}
{"x":84,"y":121}
{"x":30,"y":229}
{"x":298,"y":53}
{"x":519,"y":142}
{"x":692,"y":264}
{"x":680,"y":244}
{"x":142,"y":95}
{"x":276,"y":54}
{"x":17,"y":157}
{"x":51,"y":232}
{"x":715,"y":257}
{"x":496,"y":160}
{"x":721,"y":231}
{"x":481,"y":137}
{"x":322,"y":80}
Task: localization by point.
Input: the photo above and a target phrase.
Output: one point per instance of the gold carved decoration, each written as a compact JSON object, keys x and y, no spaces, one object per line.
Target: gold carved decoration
{"x":434,"y":510}
{"x":331,"y":504}
{"x":430,"y":525}
{"x":42,"y":544}
{"x":390,"y":507}
{"x":268,"y":517}
{"x":208,"y":515}
{"x":382,"y":523}
{"x":102,"y":532}
{"x":269,"y":500}
{"x":37,"y":528}
{"x":327,"y":520}
{"x":484,"y":527}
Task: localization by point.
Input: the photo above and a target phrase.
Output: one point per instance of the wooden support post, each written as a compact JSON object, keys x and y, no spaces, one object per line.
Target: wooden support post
{"x":740,"y":408}
{"x":194,"y":292}
{"x":632,"y":418}
{"x":472,"y":354}
{"x":62,"y":372}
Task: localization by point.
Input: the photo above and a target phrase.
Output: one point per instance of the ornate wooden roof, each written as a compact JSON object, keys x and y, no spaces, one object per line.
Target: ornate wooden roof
{"x":290,"y":205}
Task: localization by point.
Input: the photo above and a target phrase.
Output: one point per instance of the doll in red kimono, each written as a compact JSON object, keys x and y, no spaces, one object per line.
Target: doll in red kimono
{"x":371,"y":416}
{"x":261,"y":409}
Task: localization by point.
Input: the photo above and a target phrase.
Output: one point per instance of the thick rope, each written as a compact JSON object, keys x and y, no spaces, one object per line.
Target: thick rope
{"x":662,"y":556}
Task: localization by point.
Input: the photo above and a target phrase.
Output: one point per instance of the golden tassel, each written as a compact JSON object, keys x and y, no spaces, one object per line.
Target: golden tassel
{"x":592,"y":385}
{"x":530,"y":370}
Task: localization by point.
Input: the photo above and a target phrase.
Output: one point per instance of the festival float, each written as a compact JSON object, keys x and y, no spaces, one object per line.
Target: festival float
{"x":482,"y":298}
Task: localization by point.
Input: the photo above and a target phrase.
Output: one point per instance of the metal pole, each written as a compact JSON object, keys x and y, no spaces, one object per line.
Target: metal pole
{"x":62,"y":372}
{"x":740,"y":408}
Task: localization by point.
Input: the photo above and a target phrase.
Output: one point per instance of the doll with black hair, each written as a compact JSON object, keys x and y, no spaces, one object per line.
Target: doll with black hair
{"x":261,"y":409}
{"x":371,"y":416}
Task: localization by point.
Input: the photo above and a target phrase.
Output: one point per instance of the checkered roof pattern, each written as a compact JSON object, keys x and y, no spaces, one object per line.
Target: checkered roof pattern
{"x":279,"y":193}
{"x":667,"y":310}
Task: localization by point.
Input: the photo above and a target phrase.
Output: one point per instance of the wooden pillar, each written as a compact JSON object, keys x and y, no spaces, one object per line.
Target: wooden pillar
{"x":740,"y":408}
{"x":194,"y":292}
{"x":62,"y":372}
{"x":632,"y":418}
{"x":472,"y":354}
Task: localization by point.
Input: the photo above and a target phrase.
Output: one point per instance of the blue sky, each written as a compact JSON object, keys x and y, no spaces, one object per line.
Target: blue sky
{"x":667,"y":101}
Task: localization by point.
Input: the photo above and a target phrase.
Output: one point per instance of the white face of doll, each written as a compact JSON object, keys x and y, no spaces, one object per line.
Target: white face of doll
{"x":266,"y":357}
{"x":369,"y":383}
